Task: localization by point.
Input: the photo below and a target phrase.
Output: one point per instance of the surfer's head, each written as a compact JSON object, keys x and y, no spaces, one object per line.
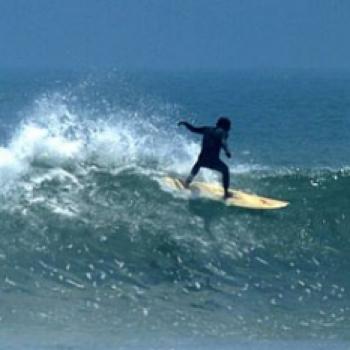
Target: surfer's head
{"x":224,"y":123}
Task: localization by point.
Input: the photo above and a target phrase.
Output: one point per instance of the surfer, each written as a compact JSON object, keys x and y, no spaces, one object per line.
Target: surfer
{"x":214,"y":138}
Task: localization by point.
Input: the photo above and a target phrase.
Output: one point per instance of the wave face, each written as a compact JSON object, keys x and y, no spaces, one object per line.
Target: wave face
{"x":90,"y":238}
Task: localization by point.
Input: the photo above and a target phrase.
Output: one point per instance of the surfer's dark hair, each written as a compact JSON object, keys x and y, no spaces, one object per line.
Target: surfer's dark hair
{"x":224,"y":123}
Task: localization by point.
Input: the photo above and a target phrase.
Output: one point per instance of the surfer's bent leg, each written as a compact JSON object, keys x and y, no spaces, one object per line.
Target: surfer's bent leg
{"x":223,"y":169}
{"x":193,"y":173}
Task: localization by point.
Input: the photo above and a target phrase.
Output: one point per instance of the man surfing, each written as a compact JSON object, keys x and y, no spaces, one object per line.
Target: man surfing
{"x":214,"y":138}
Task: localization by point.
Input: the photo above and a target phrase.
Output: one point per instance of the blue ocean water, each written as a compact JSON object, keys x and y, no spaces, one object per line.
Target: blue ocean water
{"x":95,"y":253}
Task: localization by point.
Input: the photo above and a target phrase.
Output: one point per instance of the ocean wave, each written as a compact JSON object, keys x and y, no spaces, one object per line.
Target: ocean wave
{"x":122,"y":235}
{"x":84,"y":211}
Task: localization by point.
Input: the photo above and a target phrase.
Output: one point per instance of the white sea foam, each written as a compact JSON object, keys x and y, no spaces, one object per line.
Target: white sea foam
{"x":55,"y":134}
{"x":10,"y":167}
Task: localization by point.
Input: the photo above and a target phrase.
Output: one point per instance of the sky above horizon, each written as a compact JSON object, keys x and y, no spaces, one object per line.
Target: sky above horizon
{"x":174,"y":34}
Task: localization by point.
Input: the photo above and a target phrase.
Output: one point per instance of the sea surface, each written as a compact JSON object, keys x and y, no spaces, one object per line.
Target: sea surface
{"x":96,"y":254}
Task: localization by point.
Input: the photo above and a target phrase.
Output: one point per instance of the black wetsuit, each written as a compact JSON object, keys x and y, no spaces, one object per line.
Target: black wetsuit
{"x":214,"y":138}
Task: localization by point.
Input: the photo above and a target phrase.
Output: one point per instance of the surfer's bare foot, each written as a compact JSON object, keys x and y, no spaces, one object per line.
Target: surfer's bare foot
{"x":185,"y":183}
{"x":228,"y":195}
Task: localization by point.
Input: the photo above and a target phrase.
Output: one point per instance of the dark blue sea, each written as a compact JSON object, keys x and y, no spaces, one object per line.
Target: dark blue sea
{"x":96,"y":254}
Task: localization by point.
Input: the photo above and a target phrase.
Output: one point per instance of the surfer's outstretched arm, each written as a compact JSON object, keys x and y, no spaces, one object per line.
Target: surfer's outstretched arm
{"x":198,"y":130}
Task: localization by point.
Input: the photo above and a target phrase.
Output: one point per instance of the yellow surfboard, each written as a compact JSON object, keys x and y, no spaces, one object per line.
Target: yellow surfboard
{"x":216,"y":192}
